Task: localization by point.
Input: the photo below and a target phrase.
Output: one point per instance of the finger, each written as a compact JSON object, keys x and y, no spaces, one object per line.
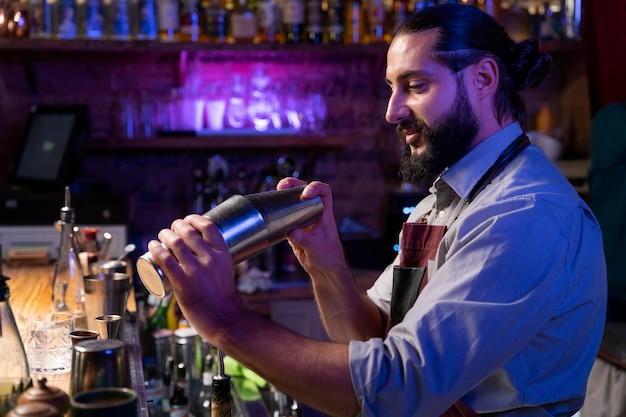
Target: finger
{"x":289,"y":182}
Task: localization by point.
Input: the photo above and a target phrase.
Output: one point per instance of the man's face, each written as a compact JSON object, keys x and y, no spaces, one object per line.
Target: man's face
{"x":429,"y":104}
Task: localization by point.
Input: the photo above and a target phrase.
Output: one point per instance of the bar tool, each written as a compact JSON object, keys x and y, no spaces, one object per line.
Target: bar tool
{"x":249,"y":224}
{"x":109,"y":326}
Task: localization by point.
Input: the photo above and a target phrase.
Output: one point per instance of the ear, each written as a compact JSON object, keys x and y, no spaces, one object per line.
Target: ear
{"x":485,"y":76}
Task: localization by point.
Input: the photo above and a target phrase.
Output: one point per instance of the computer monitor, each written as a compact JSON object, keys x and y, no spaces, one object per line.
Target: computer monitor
{"x":52,"y":146}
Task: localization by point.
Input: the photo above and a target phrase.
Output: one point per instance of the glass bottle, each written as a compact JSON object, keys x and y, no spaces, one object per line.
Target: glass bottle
{"x":189,"y":21}
{"x":14,"y":373}
{"x":314,"y":21}
{"x":221,"y":400}
{"x":334,"y":27}
{"x":293,"y":20}
{"x":376,"y":25}
{"x":146,"y":21}
{"x":168,"y":18}
{"x":203,"y":404}
{"x":243,"y":23}
{"x":179,"y":403}
{"x":154,"y":386}
{"x":68,"y":290}
{"x":215,"y":21}
{"x":400,"y":13}
{"x":355,"y":22}
{"x":236,"y":112}
{"x":268,"y":20}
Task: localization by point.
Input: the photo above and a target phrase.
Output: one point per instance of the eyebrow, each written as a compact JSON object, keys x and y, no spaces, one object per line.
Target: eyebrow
{"x":412,"y":73}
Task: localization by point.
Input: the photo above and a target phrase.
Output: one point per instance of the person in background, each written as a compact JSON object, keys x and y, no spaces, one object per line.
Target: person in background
{"x":495,"y":304}
{"x":607,"y":185}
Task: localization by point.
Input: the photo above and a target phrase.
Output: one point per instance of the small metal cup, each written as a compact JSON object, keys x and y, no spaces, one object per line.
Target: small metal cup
{"x":249,"y":225}
{"x":99,"y":363}
{"x":83,"y":334}
{"x":109,"y":325}
{"x":105,"y":402}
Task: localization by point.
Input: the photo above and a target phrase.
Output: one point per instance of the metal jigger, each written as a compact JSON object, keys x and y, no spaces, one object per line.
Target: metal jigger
{"x":249,"y":224}
{"x":109,"y":326}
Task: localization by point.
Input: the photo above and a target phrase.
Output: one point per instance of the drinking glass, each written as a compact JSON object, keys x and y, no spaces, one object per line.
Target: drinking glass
{"x":49,"y":346}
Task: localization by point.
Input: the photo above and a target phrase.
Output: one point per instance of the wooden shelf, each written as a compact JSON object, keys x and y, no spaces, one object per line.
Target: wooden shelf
{"x":225,"y":141}
{"x":139,"y":46}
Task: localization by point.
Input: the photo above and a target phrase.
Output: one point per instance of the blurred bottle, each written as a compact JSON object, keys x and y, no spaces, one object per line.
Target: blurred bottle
{"x":179,"y":403}
{"x":146,"y":25}
{"x":157,"y":314}
{"x":189,"y":21}
{"x":236,"y":114}
{"x":314,"y":21}
{"x":168,"y":14}
{"x":355,"y":22}
{"x":14,"y":372}
{"x":68,"y":290}
{"x":293,"y":21}
{"x":400,"y":13}
{"x":243,"y":23}
{"x":63,"y":19}
{"x":39,"y":18}
{"x":203,"y":405}
{"x":153,"y":384}
{"x":215,"y":21}
{"x":545,"y":121}
{"x":268,"y":19}
{"x":376,"y":22}
{"x":334,"y":27}
{"x":118,"y":19}
{"x":91,"y":15}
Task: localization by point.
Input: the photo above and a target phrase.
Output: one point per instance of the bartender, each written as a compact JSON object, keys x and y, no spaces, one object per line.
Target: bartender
{"x":495,"y":304}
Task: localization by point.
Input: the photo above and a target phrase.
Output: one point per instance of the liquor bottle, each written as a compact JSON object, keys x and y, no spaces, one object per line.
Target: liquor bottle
{"x":189,"y":21}
{"x":314,"y":21}
{"x":221,"y":400}
{"x":243,"y":23}
{"x":179,"y":403}
{"x":355,"y":22}
{"x":293,"y":20}
{"x":14,"y":372}
{"x":268,"y":20}
{"x":400,"y":13}
{"x":215,"y":21}
{"x":118,"y":19}
{"x":68,"y":290}
{"x":157,"y":314}
{"x":334,"y":28}
{"x":63,"y":19}
{"x":376,"y":22}
{"x":153,"y":383}
{"x":168,"y":13}
{"x":147,"y":27}
{"x":203,"y":405}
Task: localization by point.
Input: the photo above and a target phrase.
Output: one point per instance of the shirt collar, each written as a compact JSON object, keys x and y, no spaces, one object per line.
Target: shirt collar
{"x":463,"y":176}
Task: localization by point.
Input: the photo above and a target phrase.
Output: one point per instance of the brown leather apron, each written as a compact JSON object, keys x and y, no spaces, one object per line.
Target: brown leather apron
{"x":419,"y":244}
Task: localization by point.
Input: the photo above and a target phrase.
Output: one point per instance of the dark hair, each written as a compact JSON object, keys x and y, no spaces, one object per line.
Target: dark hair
{"x":466,"y":35}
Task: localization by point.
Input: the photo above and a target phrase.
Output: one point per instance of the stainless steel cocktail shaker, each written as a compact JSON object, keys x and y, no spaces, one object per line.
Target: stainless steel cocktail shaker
{"x":249,"y":224}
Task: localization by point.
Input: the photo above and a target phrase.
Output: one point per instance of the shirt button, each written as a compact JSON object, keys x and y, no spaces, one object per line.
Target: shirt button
{"x":442,"y":213}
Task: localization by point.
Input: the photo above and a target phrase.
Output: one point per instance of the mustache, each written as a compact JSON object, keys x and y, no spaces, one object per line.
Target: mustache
{"x":413,"y":124}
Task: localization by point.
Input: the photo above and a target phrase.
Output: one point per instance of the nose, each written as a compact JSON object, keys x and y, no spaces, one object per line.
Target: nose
{"x":396,"y":108}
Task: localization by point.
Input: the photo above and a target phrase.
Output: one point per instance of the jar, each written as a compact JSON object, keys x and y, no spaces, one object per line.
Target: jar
{"x":34,"y":409}
{"x":42,"y":393}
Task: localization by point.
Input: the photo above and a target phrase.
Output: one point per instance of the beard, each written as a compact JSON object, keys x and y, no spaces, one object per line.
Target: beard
{"x":447,"y":141}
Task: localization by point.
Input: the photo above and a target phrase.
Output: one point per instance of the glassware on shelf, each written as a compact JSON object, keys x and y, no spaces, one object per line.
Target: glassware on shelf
{"x":260,"y":101}
{"x":236,"y":111}
{"x":215,"y":106}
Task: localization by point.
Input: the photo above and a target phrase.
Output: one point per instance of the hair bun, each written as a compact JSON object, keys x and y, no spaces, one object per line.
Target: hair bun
{"x":528,"y":66}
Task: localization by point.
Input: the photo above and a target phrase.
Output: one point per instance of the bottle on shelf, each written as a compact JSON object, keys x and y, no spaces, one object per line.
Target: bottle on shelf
{"x":168,"y":18}
{"x":14,"y":372}
{"x":68,"y":290}
{"x":146,"y":21}
{"x":376,"y":22}
{"x":215,"y":21}
{"x":118,"y":18}
{"x":355,"y":22}
{"x":400,"y":13}
{"x":314,"y":21}
{"x":293,"y":21}
{"x":268,"y":20}
{"x":153,"y":383}
{"x":334,"y":28}
{"x":63,"y":19}
{"x":243,"y":23}
{"x":189,"y":21}
{"x":91,"y":19}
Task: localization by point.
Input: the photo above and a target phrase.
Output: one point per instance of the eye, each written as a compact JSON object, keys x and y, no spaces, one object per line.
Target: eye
{"x":416,"y":87}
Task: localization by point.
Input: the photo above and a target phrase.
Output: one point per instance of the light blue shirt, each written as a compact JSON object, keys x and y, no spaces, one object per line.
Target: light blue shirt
{"x":511,"y":319}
